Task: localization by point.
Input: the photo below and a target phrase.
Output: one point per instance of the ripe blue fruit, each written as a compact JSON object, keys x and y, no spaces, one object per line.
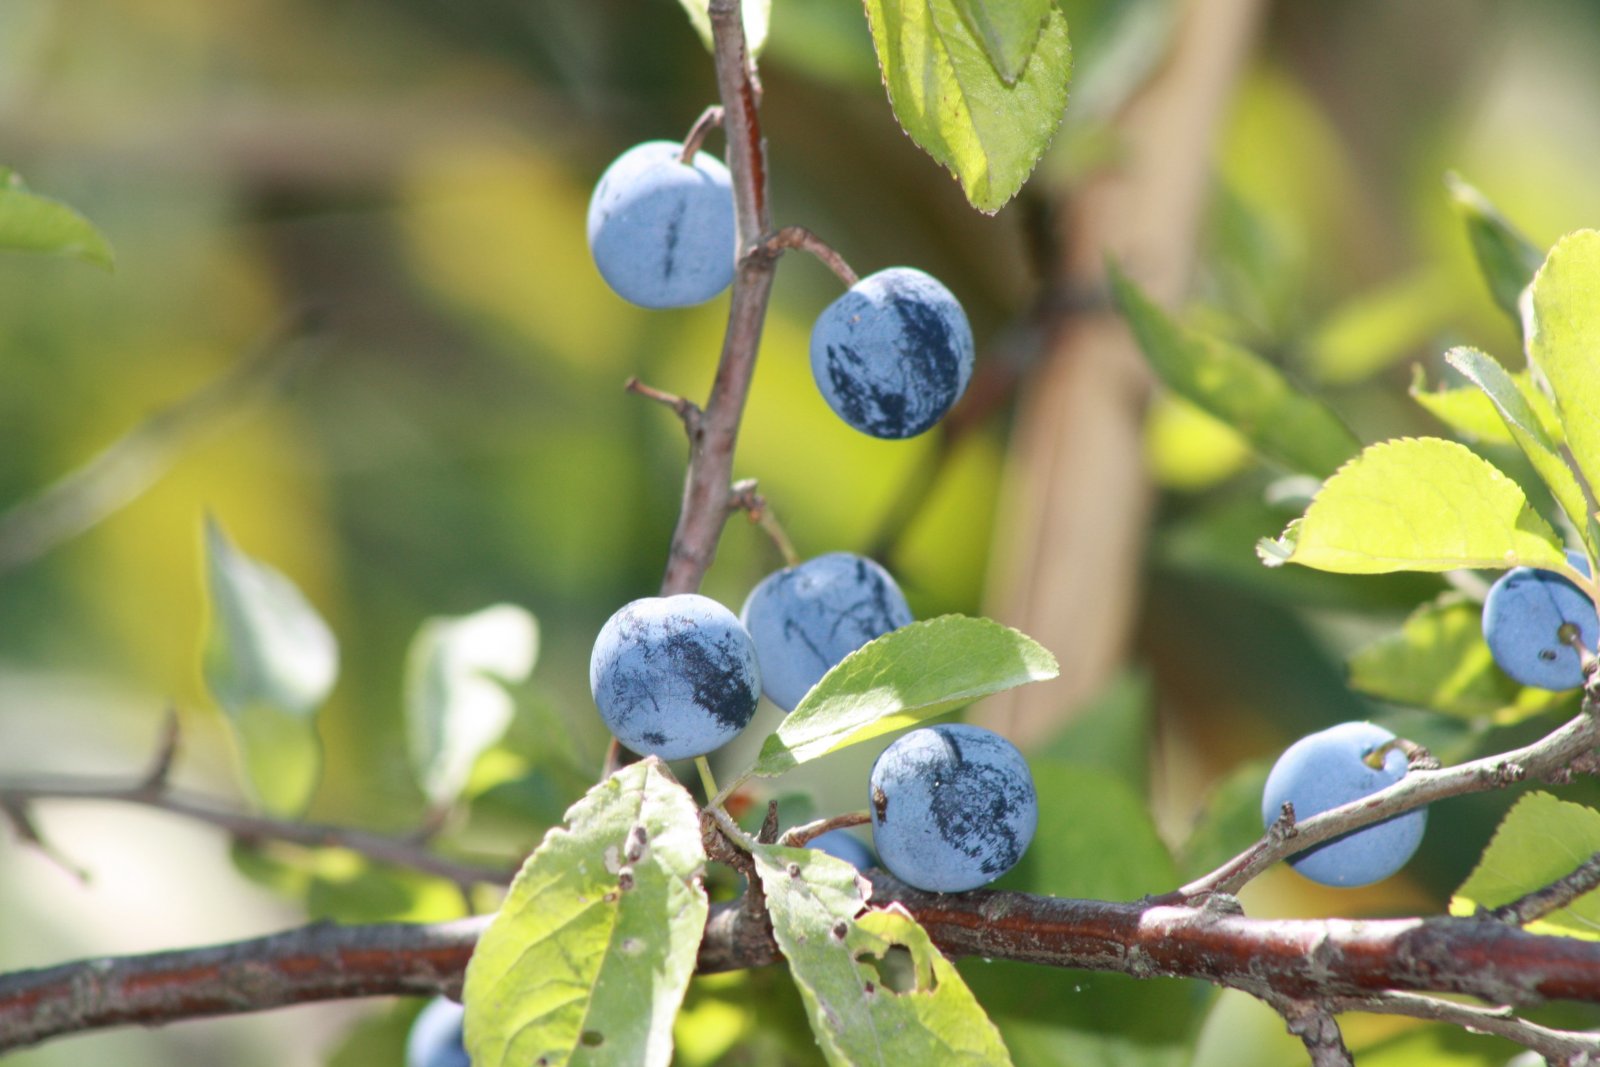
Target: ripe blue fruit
{"x":674,"y":676}
{"x":953,"y":807}
{"x":1326,"y":769}
{"x":660,"y":230}
{"x":435,"y":1038}
{"x":893,"y":354}
{"x":1523,"y":618}
{"x":806,"y":618}
{"x":843,"y":845}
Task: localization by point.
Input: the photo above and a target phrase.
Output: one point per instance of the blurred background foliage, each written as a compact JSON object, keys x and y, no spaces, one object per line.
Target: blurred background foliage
{"x":450,"y":432}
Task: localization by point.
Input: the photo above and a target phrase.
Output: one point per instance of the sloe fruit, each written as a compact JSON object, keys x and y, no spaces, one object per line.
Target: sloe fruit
{"x":674,"y":676}
{"x":1329,"y":768}
{"x":435,"y":1038}
{"x":806,"y":618}
{"x":893,"y":354}
{"x":843,"y":845}
{"x":1523,"y":618}
{"x":661,"y":231}
{"x":953,"y":807}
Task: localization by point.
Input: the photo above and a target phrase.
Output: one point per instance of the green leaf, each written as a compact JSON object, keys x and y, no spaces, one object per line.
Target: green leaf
{"x":874,"y":985}
{"x":1111,"y":732}
{"x":902,"y":678}
{"x":1236,"y":386}
{"x":1438,"y":660}
{"x":1540,"y":840}
{"x":1377,"y":328}
{"x":1229,"y":820}
{"x":1417,"y":504}
{"x":1009,"y":29}
{"x":270,"y":662}
{"x":456,"y":705}
{"x":757,"y":17}
{"x":956,"y":105}
{"x":1563,"y":330}
{"x":1507,"y":259}
{"x":1527,"y":430}
{"x":592,"y":951}
{"x":1471,"y":414}
{"x":33,"y":223}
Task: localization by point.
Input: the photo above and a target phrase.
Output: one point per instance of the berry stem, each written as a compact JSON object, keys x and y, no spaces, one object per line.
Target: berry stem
{"x":798,"y":237}
{"x":709,"y":120}
{"x":747,"y":499}
{"x":800,"y":836}
{"x":708,"y":781}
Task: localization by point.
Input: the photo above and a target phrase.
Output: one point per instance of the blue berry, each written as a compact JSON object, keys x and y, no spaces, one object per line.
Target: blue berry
{"x":661,"y":231}
{"x":843,"y":845}
{"x":806,"y":618}
{"x":435,"y":1039}
{"x":893,"y":354}
{"x":1327,"y":769}
{"x":1522,"y":621}
{"x":953,"y":807}
{"x":674,"y":676}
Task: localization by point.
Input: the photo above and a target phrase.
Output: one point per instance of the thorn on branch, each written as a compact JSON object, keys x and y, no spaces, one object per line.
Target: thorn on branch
{"x":1316,"y":1027}
{"x":156,"y":778}
{"x":798,"y":237}
{"x":800,"y":836}
{"x":709,"y":119}
{"x":686,"y":410}
{"x":27,"y":831}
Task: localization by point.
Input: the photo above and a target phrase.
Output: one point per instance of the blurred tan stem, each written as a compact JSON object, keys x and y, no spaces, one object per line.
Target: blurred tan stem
{"x":1076,"y":497}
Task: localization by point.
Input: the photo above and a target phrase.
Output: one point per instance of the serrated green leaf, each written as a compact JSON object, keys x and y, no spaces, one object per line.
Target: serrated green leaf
{"x":33,"y":223}
{"x":1417,"y":504}
{"x":1438,"y":660}
{"x":1009,"y":29}
{"x":270,"y":662}
{"x":757,"y":17}
{"x":592,"y":951}
{"x":875,"y":987}
{"x":1507,"y":259}
{"x":955,"y":104}
{"x":456,"y":702}
{"x":902,"y":678}
{"x":1527,"y":430}
{"x":1467,"y":411}
{"x":1540,"y":840}
{"x":1236,"y":386}
{"x":1563,"y":330}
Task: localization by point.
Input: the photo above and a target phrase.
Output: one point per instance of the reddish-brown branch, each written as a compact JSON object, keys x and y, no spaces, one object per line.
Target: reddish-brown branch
{"x":1337,"y":964}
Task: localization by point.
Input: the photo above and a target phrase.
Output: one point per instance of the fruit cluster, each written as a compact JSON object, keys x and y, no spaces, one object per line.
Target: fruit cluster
{"x":891,"y":356}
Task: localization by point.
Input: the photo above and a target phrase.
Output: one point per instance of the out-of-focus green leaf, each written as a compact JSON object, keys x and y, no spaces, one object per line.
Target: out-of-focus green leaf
{"x":1187,"y":448}
{"x":1110,"y":733}
{"x":270,"y":662}
{"x":956,"y":105}
{"x":874,"y":985}
{"x":1507,"y":259}
{"x":1527,"y":429}
{"x":1438,"y":660}
{"x":1470,"y":413}
{"x":1417,"y":504}
{"x":1229,"y":821}
{"x":1540,"y":840}
{"x":1008,"y":30}
{"x":1563,"y":330}
{"x":456,"y":704}
{"x":757,"y":16}
{"x":33,"y":223}
{"x":900,"y":679}
{"x":590,"y":955}
{"x":1376,"y":329}
{"x":1238,"y":387}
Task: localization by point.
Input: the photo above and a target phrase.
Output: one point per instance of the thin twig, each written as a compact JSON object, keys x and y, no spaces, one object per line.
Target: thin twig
{"x":686,"y":410}
{"x":1315,"y":1026}
{"x":1553,"y":897}
{"x":798,"y":237}
{"x":709,"y":120}
{"x":746,"y":498}
{"x":800,"y":836}
{"x":1556,"y":1046}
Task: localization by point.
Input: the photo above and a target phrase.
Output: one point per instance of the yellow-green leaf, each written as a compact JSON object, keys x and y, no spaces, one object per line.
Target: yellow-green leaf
{"x":33,"y":223}
{"x":1471,"y":414}
{"x":1563,"y":331}
{"x":1008,"y":29}
{"x":1237,"y":387}
{"x":1417,"y":504}
{"x":877,"y":990}
{"x":1540,"y":840}
{"x":958,"y":107}
{"x":590,"y":955}
{"x":900,"y":679}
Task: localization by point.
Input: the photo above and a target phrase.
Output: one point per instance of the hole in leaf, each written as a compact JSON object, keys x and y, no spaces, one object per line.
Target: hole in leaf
{"x":592,"y":1038}
{"x":895,"y":970}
